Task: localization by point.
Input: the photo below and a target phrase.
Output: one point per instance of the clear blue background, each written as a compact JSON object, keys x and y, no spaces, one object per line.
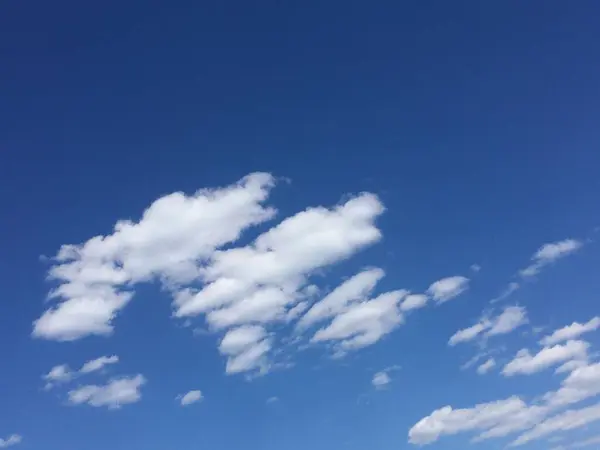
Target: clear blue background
{"x":475,"y":121}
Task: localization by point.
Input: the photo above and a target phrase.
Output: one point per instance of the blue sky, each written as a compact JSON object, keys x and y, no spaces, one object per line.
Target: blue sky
{"x":323,"y":225}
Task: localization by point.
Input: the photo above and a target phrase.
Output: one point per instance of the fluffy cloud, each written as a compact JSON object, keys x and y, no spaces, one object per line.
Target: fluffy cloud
{"x":365,"y":323}
{"x":498,"y":418}
{"x":246,"y":348}
{"x":549,"y":253}
{"x":187,"y":244}
{"x":59,"y":374}
{"x":448,"y":288}
{"x":114,"y":394}
{"x":99,"y":363}
{"x":582,"y":383}
{"x":568,"y":420}
{"x":572,"y":331}
{"x":507,"y":321}
{"x":13,"y":439}
{"x":526,"y":363}
{"x":504,"y":417}
{"x":95,"y":275}
{"x":413,"y":301}
{"x":190,"y":397}
{"x":353,"y":290}
{"x":486,"y":366}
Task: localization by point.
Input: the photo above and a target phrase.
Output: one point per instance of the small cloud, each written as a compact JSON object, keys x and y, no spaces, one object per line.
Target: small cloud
{"x":272,"y":400}
{"x":572,"y":331}
{"x":13,"y":439}
{"x":549,"y":253}
{"x":486,"y":366}
{"x":99,"y":363}
{"x":114,"y":394}
{"x":382,"y":379}
{"x":448,"y":288}
{"x":190,"y":397}
{"x":475,"y":268}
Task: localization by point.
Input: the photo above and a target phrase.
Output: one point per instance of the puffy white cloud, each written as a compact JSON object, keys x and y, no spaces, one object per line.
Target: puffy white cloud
{"x":486,"y":366}
{"x":549,"y":253}
{"x":572,"y":331}
{"x":364,"y":323}
{"x":503,"y":416}
{"x":93,"y":275}
{"x":190,"y":397}
{"x":353,"y":290}
{"x":448,"y":288}
{"x":567,"y":420}
{"x":98,"y":363}
{"x":252,"y":357}
{"x":511,"y":318}
{"x":114,"y":394}
{"x":413,"y":301}
{"x":582,"y":383}
{"x":526,"y":363}
{"x":13,"y":439}
{"x":246,"y":349}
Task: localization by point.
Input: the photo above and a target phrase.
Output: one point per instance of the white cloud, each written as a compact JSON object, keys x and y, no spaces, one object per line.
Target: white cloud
{"x":475,"y":267}
{"x":568,"y":420}
{"x":526,"y":363}
{"x":486,"y":366}
{"x":572,"y":331}
{"x":470,"y":333}
{"x":13,"y":439}
{"x":582,"y":383}
{"x":493,"y":419}
{"x":448,"y":288}
{"x":59,"y":374}
{"x":414,"y":301}
{"x":364,"y":323}
{"x":511,"y":318}
{"x":353,"y":290}
{"x":114,"y":394}
{"x":251,"y":358}
{"x":381,"y":379}
{"x":549,"y":253}
{"x":98,"y":363}
{"x":190,"y":397}
{"x":504,"y":417}
{"x":93,"y":275}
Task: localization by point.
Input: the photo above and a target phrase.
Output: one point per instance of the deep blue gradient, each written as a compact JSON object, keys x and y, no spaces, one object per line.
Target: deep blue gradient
{"x":475,"y":122}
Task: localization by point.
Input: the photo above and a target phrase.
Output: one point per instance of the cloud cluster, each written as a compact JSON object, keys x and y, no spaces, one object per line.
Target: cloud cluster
{"x":505,"y":417}
{"x":62,"y":372}
{"x":188,"y":244}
